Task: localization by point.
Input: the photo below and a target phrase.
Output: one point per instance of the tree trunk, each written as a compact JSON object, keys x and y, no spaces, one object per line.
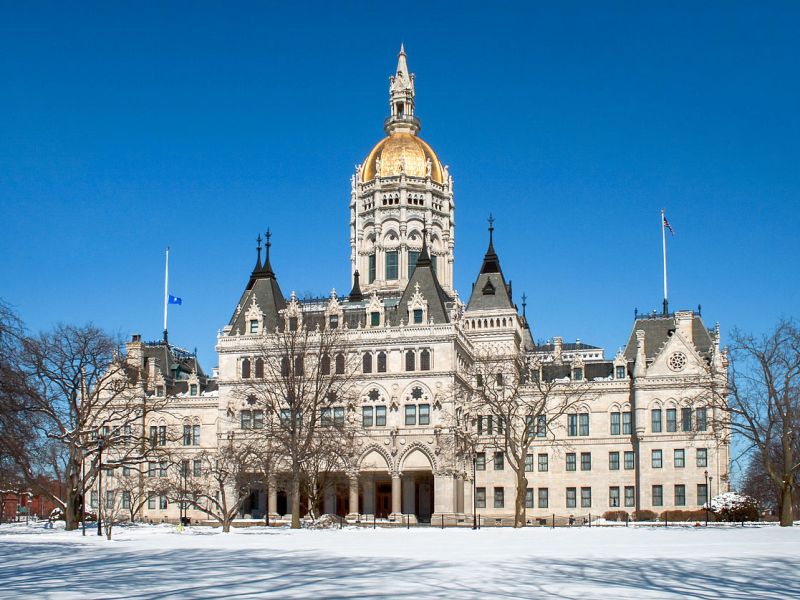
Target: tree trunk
{"x":295,"y":501}
{"x":787,"y":514}
{"x":71,"y":516}
{"x":226,"y":525}
{"x":519,"y":500}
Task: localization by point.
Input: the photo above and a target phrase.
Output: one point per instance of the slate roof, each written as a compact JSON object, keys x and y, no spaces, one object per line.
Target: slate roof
{"x":429,"y":288}
{"x":490,"y":290}
{"x":658,"y":329}
{"x":269,"y":298}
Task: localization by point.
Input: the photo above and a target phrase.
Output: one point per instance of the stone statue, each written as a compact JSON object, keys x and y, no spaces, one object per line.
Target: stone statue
{"x":428,"y":167}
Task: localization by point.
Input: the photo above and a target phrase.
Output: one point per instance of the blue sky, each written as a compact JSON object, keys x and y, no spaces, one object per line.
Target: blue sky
{"x":127,"y":127}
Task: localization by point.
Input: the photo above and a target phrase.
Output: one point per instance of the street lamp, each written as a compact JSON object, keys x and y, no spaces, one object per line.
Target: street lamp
{"x":708,"y":495}
{"x":474,"y":490}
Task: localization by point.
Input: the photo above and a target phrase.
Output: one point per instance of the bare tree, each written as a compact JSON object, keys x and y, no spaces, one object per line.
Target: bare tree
{"x":761,"y":403}
{"x":515,"y":398}
{"x":222,"y":484}
{"x":301,"y":390}
{"x":81,"y":399}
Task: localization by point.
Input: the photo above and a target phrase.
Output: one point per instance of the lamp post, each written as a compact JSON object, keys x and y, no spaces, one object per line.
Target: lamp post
{"x":83,"y":494}
{"x":474,"y":489}
{"x":708,"y":495}
{"x":100,"y":445}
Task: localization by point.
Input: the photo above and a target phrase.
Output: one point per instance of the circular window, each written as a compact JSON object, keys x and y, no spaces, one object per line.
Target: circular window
{"x":676,"y":361}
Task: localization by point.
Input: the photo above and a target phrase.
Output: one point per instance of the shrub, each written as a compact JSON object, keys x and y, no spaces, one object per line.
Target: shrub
{"x":731,"y":506}
{"x":615,"y":515}
{"x":644,"y":515}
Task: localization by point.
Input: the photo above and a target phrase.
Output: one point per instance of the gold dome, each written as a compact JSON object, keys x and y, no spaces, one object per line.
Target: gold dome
{"x":400,"y":148}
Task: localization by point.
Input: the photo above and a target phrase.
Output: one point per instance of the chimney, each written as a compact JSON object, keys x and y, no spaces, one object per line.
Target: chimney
{"x":640,"y":365}
{"x":135,"y":354}
{"x":683,"y":324}
{"x":557,"y":349}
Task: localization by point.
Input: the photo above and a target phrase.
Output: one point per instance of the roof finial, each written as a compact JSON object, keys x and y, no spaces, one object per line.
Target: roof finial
{"x":491,"y":227}
{"x":267,"y":266}
{"x":258,"y":250}
{"x":524,"y":303}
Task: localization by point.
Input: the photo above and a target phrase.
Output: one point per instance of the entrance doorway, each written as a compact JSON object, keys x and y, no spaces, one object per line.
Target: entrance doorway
{"x":383,"y":499}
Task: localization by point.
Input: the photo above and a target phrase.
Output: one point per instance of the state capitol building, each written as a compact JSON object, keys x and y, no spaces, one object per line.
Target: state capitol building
{"x":629,"y":432}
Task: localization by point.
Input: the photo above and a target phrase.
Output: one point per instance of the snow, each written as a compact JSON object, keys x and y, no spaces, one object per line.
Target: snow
{"x":157,"y":561}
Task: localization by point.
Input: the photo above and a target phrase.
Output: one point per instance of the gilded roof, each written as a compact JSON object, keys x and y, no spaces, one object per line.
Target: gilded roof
{"x":402,"y":152}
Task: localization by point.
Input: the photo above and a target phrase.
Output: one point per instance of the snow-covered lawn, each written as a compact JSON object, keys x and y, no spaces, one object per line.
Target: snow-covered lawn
{"x":581,"y":563}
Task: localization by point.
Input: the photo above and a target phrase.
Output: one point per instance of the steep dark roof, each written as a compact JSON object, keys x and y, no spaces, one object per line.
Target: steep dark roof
{"x":490,"y":290}
{"x":429,"y":288}
{"x":269,"y":298}
{"x":658,"y":329}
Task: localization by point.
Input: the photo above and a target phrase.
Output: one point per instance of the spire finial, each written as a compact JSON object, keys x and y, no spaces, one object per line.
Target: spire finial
{"x":267,"y":266}
{"x":524,"y":303}
{"x":402,"y":48}
{"x":491,"y":227}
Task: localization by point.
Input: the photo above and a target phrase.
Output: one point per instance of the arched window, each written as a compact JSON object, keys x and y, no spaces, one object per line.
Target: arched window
{"x":425,"y":360}
{"x":367,"y":363}
{"x":325,"y":365}
{"x":411,"y":361}
{"x":340,"y":364}
{"x":381,"y":362}
{"x":259,"y":368}
{"x":246,"y":368}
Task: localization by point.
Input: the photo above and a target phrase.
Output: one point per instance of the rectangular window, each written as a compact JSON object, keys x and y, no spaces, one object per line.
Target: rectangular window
{"x":620,"y":372}
{"x":126,"y":500}
{"x":529,"y":463}
{"x":543,"y":465}
{"x":197,"y":468}
{"x":479,"y":425}
{"x":586,"y":497}
{"x":613,"y":461}
{"x":489,"y":425}
{"x":162,"y":469}
{"x":541,"y":426}
{"x":544,"y":500}
{"x":626,"y":423}
{"x":371,"y":269}
{"x":529,"y":498}
{"x":109,"y":500}
{"x":680,"y":495}
{"x":658,"y":495}
{"x":613,"y":497}
{"x":571,"y":498}
{"x":499,"y":461}
{"x":153,"y":435}
{"x":571,"y":466}
{"x":615,"y":430}
{"x":630,"y":495}
{"x":702,"y":494}
{"x":162,"y":502}
{"x":246,"y":419}
{"x":701,"y":417}
{"x":333,"y":321}
{"x":326,"y":417}
{"x":374,"y":320}
{"x":629,"y":460}
{"x":680,"y":458}
{"x":391,"y":265}
{"x":686,"y":419}
{"x":657,"y":459}
{"x":499,"y":497}
{"x":672,"y":420}
{"x":424,"y":414}
{"x":254,"y":326}
{"x":151,"y":502}
{"x":187,"y":435}
{"x":126,"y":471}
{"x":338,"y":416}
{"x":380,"y":416}
{"x":586,"y":461}
{"x":572,"y":425}
{"x":413,"y":255}
{"x":655,"y":420}
{"x":583,"y":419}
{"x":93,"y":499}
{"x":480,"y":497}
{"x":480,"y":461}
{"x":411,"y":414}
{"x":184,"y":468}
{"x":286,"y":417}
{"x":702,"y":457}
{"x":417,"y":316}
{"x":366,"y":416}
{"x":258,"y":423}
{"x":577,"y":374}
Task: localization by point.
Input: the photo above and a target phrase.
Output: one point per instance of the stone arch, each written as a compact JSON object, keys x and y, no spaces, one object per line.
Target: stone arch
{"x":426,"y":391}
{"x":615,"y":407}
{"x":374,"y":458}
{"x":655,"y":404}
{"x":410,"y":459}
{"x":364,"y":394}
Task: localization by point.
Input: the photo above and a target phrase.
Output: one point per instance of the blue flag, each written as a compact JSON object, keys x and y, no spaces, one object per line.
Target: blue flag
{"x":175,"y":300}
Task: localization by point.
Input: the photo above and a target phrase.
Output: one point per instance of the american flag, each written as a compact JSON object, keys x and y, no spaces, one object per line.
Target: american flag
{"x":667,"y":225}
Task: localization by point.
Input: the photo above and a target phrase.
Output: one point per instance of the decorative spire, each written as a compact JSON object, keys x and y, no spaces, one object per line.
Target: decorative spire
{"x":401,"y":98}
{"x":355,"y":293}
{"x":424,"y":258}
{"x":257,"y":268}
{"x":267,"y":270}
{"x":524,"y":303}
{"x":491,"y":264}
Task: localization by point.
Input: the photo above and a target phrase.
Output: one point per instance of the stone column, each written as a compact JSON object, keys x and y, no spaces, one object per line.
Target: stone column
{"x":353,"y":506}
{"x":396,"y":495}
{"x":272,"y":498}
{"x":409,"y":494}
{"x":369,"y":495}
{"x":443,"y":495}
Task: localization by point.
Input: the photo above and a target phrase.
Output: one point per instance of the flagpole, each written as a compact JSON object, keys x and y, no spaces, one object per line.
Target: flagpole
{"x":166,"y":293}
{"x":664,"y":253}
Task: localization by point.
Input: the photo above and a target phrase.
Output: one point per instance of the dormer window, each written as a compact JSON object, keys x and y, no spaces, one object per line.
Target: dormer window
{"x":193,"y":389}
{"x":254,"y":326}
{"x":488,"y":289}
{"x":160,"y":391}
{"x":417,"y":316}
{"x":620,"y":372}
{"x":333,"y":321}
{"x":375,"y":319}
{"x":292,"y":323}
{"x":577,"y":374}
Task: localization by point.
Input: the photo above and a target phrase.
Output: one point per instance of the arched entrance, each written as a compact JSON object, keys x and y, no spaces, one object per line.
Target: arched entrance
{"x":417,"y":485}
